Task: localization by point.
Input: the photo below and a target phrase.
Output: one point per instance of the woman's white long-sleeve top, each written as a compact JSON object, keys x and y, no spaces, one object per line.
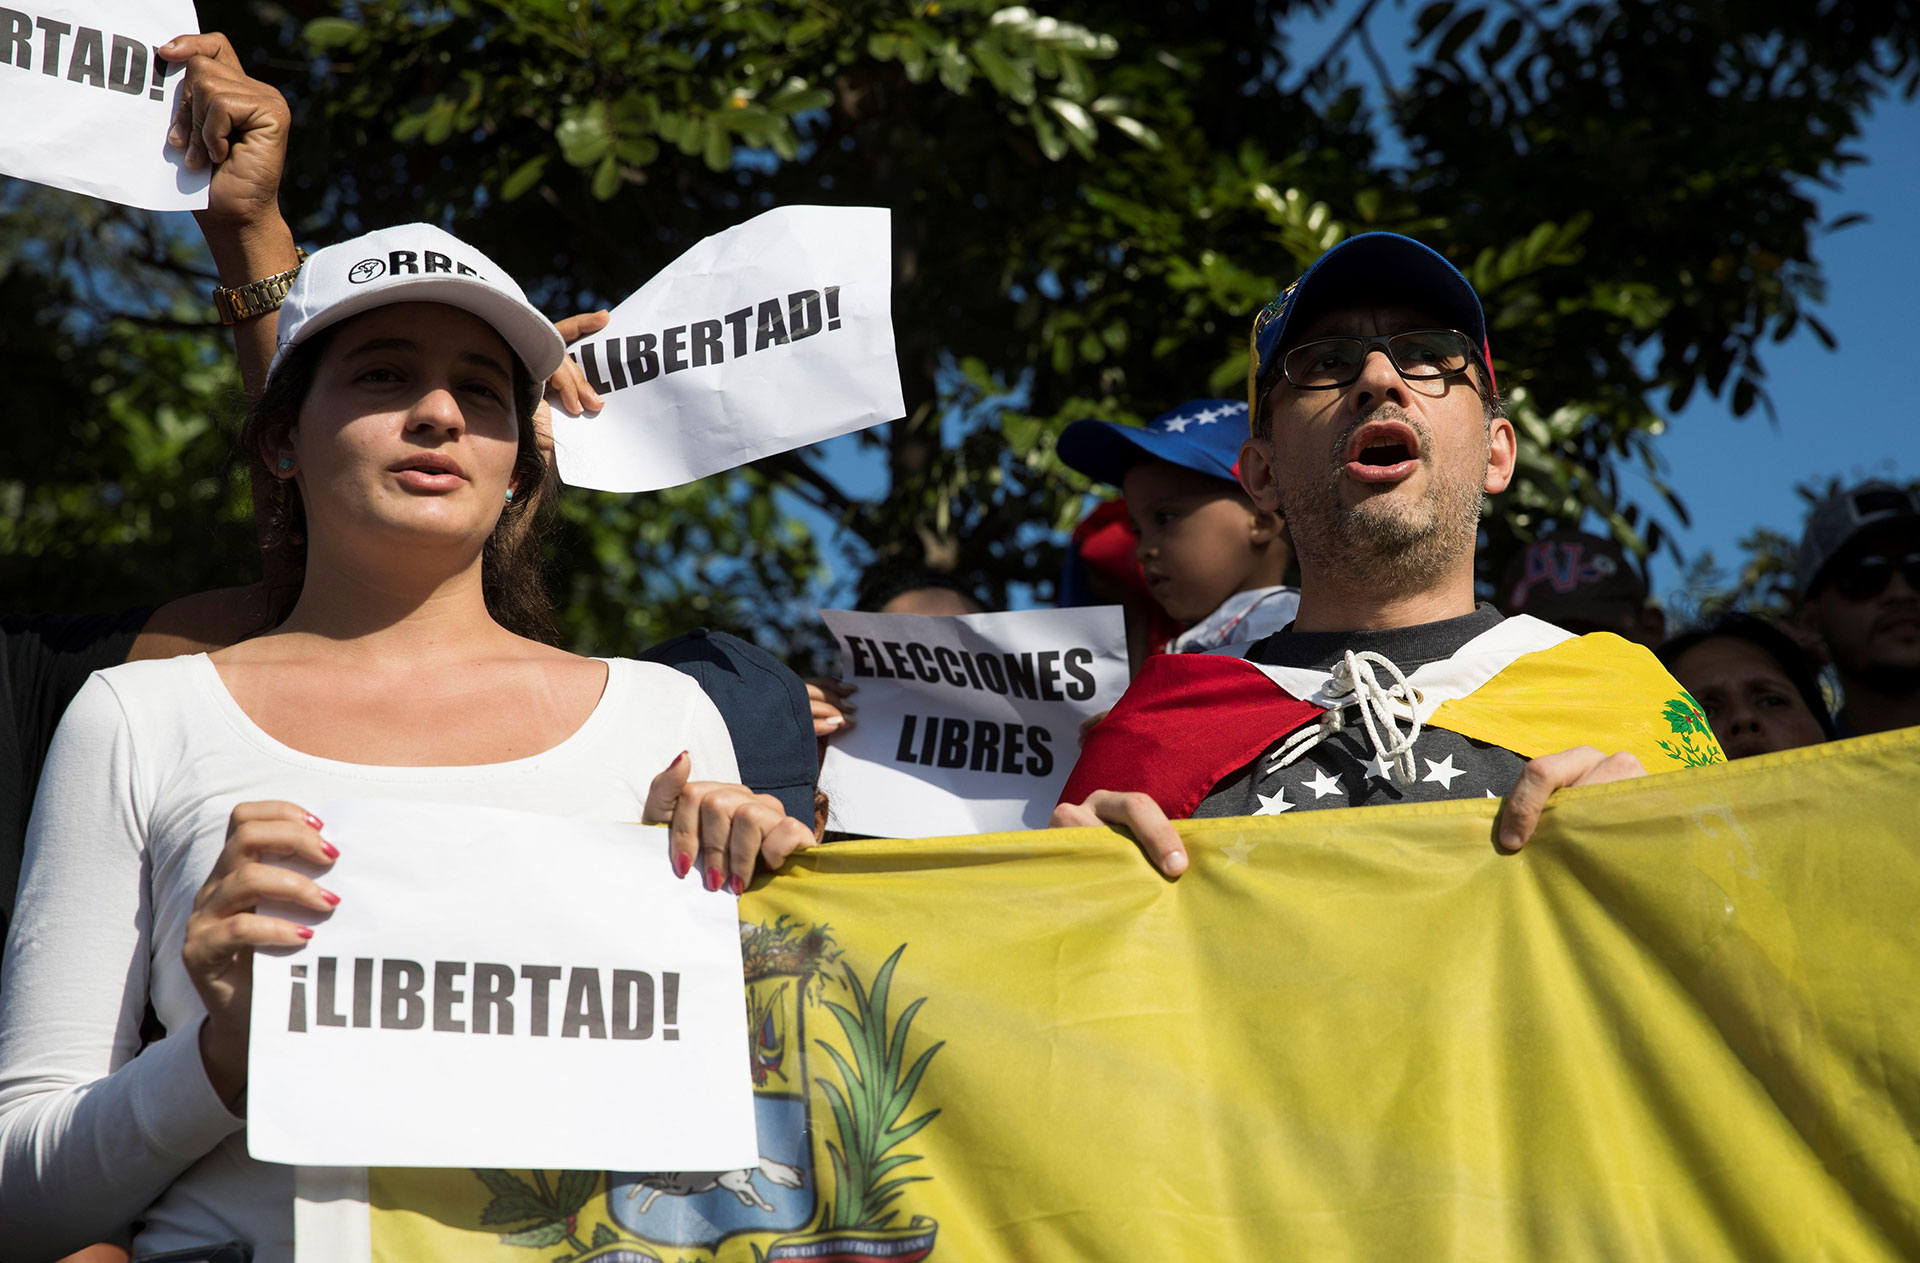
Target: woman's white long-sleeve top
{"x":131,"y":814}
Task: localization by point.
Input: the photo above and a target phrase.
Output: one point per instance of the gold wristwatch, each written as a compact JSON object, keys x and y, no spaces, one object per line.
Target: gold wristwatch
{"x":256,"y":298}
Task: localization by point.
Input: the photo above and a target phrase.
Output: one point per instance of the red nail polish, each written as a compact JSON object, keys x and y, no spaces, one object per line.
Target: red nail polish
{"x":681,"y":863}
{"x":736,"y":884}
{"x":674,"y":763}
{"x":331,"y":851}
{"x":330,"y":897}
{"x":313,"y":821}
{"x":713,"y":879}
{"x":305,"y":931}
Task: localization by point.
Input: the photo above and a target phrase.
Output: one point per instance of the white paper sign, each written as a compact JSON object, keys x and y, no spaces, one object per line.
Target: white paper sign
{"x":761,"y":339}
{"x":967,"y":724}
{"x":503,"y":989}
{"x":86,"y":101}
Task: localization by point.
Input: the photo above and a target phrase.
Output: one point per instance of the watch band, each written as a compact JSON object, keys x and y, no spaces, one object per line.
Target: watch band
{"x":255,"y":298}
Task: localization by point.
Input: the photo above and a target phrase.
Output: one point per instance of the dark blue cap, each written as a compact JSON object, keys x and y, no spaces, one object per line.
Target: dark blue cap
{"x":1203,"y":435}
{"x":766,"y":709}
{"x":1375,"y":268}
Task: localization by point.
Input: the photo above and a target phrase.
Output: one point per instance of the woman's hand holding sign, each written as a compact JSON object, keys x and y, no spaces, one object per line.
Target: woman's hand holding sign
{"x":725,"y":828}
{"x":225,"y":927}
{"x":568,"y":386}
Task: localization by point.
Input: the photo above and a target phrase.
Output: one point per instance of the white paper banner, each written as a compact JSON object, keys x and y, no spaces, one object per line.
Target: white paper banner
{"x":503,"y":989}
{"x":967,"y":724}
{"x":764,"y":338}
{"x":86,"y":101}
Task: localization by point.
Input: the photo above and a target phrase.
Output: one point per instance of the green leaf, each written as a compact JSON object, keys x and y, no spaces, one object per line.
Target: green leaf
{"x":1430,"y":19}
{"x":524,"y":177}
{"x":583,"y":134}
{"x":332,"y":33}
{"x":719,"y":149}
{"x":1051,"y":142}
{"x":1009,"y":80}
{"x":536,"y":1238}
{"x":1462,"y":32}
{"x":512,"y":1208}
{"x":576,"y":1189}
{"x":603,"y":1235}
{"x":504,"y":1183}
{"x":606,"y":178}
{"x":796,"y":97}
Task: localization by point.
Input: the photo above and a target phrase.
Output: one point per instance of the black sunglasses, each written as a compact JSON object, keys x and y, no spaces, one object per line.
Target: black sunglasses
{"x":1416,"y":354}
{"x":1867,"y":577}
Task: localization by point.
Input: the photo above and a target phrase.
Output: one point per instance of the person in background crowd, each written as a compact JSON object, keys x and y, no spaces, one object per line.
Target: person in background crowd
{"x":1102,"y":567}
{"x":1212,"y":558}
{"x":1581,"y":583}
{"x":1377,"y":432}
{"x":395,"y":438}
{"x":1860,"y":596}
{"x":886,"y":588}
{"x":766,"y":708}
{"x":1760,"y":690}
{"x":902,"y":588}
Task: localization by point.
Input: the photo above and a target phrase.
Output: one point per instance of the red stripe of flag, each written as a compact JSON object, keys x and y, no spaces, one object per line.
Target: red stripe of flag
{"x":1184,"y":724}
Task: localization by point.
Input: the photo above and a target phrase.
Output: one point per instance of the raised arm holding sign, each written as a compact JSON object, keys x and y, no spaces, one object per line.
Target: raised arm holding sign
{"x":90,"y":76}
{"x":766,"y":337}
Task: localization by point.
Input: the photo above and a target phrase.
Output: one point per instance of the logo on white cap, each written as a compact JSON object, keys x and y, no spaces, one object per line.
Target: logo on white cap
{"x":367,"y":270}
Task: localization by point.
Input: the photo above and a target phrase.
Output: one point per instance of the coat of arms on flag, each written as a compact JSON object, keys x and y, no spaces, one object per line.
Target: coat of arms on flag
{"x":832,"y":1188}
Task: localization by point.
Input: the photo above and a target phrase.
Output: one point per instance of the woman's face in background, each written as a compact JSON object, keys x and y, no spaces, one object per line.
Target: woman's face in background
{"x":1749,"y":700}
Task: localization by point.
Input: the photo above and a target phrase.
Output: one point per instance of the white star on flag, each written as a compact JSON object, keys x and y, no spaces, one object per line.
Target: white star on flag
{"x":1239,"y":853}
{"x":1206,"y":416}
{"x":1272,"y":804}
{"x":1322,"y":785}
{"x":1443,"y":772}
{"x":1178,"y":425}
{"x":1379,"y":769}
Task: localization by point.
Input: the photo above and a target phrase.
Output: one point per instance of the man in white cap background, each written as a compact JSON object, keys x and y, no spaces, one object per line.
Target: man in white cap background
{"x":1860,"y":597}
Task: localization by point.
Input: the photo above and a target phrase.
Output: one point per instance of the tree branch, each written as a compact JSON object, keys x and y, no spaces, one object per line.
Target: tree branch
{"x":795,"y":467}
{"x":165,"y":322}
{"x":1356,"y":26}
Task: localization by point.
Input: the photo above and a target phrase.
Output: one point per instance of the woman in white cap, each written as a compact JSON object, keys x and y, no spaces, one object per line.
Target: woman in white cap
{"x":397,"y":435}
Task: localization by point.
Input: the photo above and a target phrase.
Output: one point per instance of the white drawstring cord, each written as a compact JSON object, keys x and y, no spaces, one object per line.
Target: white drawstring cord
{"x":1353,"y":683}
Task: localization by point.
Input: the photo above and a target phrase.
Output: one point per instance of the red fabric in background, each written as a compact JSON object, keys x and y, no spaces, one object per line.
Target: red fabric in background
{"x":1185,"y":722}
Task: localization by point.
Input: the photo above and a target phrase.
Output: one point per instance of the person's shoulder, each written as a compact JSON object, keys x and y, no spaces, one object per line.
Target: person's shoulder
{"x":152,"y":688}
{"x":648,"y":686}
{"x":158,"y":697}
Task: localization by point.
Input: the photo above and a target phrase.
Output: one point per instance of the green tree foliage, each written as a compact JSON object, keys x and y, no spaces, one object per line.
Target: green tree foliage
{"x":1090,"y":202}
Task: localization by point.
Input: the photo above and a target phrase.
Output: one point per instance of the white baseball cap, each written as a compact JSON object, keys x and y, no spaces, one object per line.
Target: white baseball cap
{"x":414,"y":263}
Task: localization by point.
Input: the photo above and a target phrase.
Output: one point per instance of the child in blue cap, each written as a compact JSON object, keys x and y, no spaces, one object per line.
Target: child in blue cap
{"x":1210,"y":558}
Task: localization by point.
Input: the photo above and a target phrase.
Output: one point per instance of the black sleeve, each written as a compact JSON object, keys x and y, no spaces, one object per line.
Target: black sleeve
{"x":44,"y":659}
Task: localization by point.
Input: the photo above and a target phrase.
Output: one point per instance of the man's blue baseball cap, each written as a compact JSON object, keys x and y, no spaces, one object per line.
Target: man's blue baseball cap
{"x":1374,"y":267}
{"x":1203,"y":435}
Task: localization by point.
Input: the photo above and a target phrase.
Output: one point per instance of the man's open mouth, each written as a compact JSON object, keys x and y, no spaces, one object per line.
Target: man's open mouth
{"x":1383,"y":451}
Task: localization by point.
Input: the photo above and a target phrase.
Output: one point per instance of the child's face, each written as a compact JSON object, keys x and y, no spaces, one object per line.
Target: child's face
{"x":1197,"y":536}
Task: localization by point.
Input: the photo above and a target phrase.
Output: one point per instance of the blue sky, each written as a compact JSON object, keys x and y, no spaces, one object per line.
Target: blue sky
{"x":1841,"y":413}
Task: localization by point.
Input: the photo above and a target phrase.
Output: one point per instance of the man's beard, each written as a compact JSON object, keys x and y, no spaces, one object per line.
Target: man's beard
{"x":1396,"y":546}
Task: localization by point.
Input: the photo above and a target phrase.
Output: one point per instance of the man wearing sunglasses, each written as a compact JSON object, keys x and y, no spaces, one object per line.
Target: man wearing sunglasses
{"x":1860,"y":595}
{"x":1377,"y":431}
